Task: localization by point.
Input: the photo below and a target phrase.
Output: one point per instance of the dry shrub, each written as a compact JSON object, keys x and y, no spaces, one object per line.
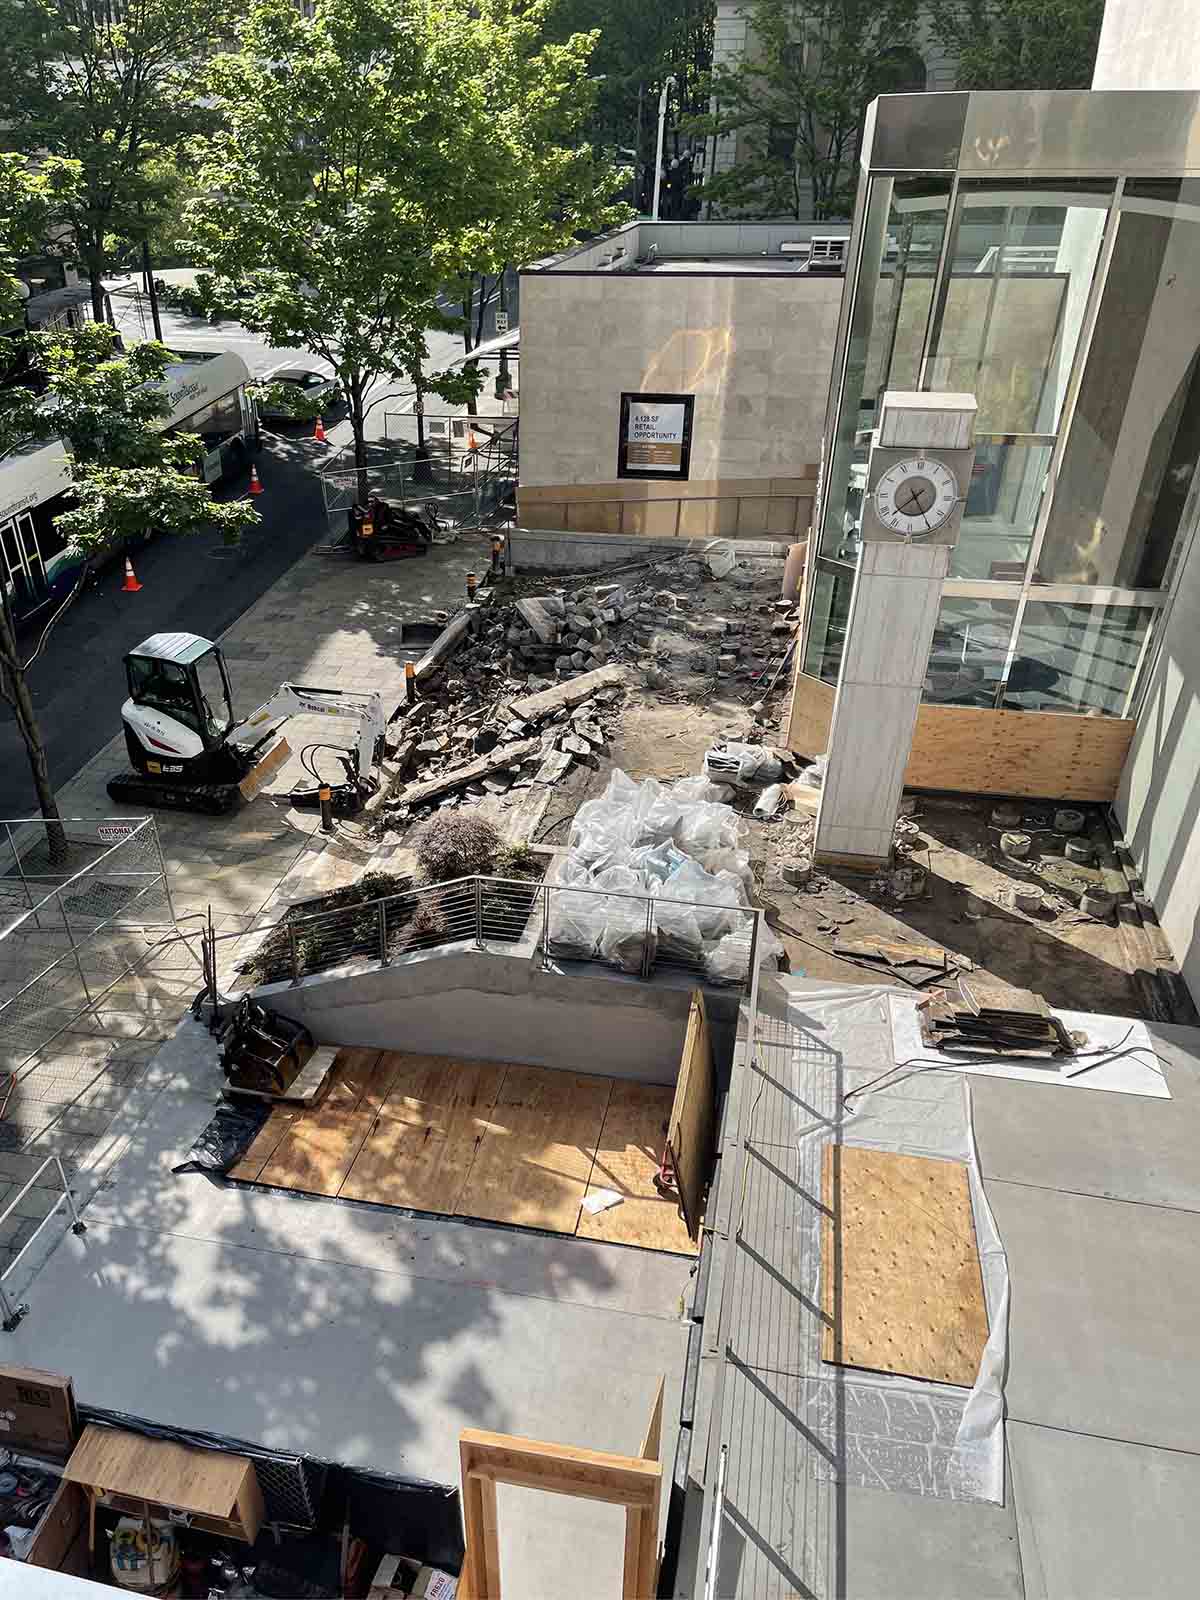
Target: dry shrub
{"x":456,"y":846}
{"x":426,"y":926}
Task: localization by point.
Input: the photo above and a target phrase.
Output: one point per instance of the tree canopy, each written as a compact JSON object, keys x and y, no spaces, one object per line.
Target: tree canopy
{"x":795,"y":104}
{"x":1020,"y":44}
{"x":640,"y":46}
{"x":29,"y":202}
{"x":113,"y":89}
{"x":375,"y":152}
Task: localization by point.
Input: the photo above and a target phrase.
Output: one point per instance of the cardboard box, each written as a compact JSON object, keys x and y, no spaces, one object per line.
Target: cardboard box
{"x":398,"y":1578}
{"x":37,"y":1419}
{"x":37,"y":1413}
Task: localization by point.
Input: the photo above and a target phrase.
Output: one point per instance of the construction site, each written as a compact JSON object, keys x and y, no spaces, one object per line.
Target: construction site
{"x":694,"y":1025}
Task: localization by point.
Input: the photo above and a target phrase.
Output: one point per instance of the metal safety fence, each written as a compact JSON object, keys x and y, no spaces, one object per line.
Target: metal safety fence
{"x":84,"y":901}
{"x":635,"y":933}
{"x":466,"y":471}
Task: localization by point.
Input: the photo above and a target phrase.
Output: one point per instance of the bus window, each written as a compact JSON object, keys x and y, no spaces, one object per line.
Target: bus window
{"x":216,"y":422}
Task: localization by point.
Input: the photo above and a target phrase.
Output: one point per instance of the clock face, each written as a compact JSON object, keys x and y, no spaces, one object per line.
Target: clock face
{"x":916,"y":497}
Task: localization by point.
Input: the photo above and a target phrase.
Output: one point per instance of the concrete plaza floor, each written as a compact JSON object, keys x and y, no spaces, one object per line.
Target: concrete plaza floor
{"x":352,"y":1332}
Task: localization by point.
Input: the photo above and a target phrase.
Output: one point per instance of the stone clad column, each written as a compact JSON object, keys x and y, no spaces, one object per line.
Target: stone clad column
{"x":893,"y":613}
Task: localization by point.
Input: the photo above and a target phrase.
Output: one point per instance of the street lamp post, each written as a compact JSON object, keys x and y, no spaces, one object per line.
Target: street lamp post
{"x":662,"y":117}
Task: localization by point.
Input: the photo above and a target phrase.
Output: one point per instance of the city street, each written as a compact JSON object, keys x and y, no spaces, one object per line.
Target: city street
{"x":78,"y":683}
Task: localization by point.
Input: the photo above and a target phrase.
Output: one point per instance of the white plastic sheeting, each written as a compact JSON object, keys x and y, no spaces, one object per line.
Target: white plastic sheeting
{"x":885,"y":1431}
{"x":672,"y":863}
{"x":1118,"y":1056}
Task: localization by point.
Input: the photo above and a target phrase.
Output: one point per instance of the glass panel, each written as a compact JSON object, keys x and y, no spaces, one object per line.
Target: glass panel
{"x":826,"y":638}
{"x":164,"y":686}
{"x":903,"y":224}
{"x":1135,"y":435}
{"x":970,"y":647}
{"x":214,"y":701}
{"x":1076,"y":657}
{"x":1021,"y":268}
{"x":1002,"y":506}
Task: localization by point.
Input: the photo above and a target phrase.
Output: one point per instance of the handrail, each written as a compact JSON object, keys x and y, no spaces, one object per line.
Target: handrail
{"x":12,"y":1314}
{"x":471,"y":917}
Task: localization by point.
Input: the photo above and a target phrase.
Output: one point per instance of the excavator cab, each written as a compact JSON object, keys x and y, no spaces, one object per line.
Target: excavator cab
{"x":182,"y":677}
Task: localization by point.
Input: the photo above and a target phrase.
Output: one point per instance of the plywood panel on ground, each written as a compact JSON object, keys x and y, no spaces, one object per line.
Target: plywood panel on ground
{"x":490,"y":1139}
{"x":627,"y":1159}
{"x":901,"y":1286}
{"x":265,"y":1143}
{"x":534,"y":1165}
{"x":318,"y":1150}
{"x":426,"y":1133}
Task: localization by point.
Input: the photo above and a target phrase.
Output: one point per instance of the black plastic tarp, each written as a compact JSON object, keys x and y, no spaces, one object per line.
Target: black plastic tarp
{"x":221,"y":1143}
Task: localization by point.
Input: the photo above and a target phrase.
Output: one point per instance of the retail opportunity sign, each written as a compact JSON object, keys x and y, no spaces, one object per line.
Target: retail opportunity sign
{"x":656,"y":436}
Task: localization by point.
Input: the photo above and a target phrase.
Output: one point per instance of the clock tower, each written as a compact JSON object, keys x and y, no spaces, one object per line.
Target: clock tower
{"x":918,"y":476}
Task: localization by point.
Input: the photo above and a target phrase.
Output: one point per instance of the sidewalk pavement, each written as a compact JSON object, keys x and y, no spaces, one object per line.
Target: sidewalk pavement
{"x":329,"y":621}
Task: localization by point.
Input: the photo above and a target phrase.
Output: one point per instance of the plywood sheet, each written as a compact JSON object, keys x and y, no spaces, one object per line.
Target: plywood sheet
{"x":901,"y":1286}
{"x":206,"y":1482}
{"x":972,"y":750}
{"x":534,"y":1163}
{"x":356,"y":1076}
{"x":691,"y":1130}
{"x":265,"y":1143}
{"x":627,"y":1158}
{"x":317,"y":1152}
{"x":426,"y":1133}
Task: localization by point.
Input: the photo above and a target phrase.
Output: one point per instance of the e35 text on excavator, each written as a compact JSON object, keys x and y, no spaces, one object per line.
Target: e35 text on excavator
{"x":188,"y":751}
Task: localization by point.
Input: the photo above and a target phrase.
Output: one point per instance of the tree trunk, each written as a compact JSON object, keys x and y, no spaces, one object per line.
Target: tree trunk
{"x":468,"y":305}
{"x":358,"y":421}
{"x":93,"y":260}
{"x":484,"y":298}
{"x":16,"y":691}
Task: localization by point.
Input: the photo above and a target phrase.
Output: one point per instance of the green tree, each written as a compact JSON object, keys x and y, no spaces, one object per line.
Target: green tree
{"x":377,"y":151}
{"x":114,"y":88}
{"x":1020,"y":44}
{"x":796,"y":102}
{"x":127,"y":478}
{"x":29,"y":200}
{"x":640,"y":46}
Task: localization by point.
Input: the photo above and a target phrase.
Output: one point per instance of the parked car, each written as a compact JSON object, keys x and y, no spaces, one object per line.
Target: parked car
{"x":316,"y":392}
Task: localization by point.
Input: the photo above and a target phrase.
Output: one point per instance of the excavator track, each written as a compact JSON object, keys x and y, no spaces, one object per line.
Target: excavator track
{"x":212,"y":799}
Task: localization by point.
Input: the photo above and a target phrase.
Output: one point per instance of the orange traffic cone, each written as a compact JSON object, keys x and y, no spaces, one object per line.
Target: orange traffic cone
{"x":131,"y":585}
{"x":319,"y":432}
{"x":255,"y":482}
{"x":472,"y":442}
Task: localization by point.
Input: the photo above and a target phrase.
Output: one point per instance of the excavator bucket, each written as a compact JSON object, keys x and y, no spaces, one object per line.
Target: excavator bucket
{"x":263,"y":769}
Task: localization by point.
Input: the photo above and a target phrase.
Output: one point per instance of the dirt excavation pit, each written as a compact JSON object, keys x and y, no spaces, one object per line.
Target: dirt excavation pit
{"x":646,"y":670}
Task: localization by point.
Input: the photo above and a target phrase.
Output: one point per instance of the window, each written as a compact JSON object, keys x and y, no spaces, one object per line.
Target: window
{"x":163,"y":686}
{"x":970,"y":648}
{"x":1076,"y":657}
{"x":214,"y":422}
{"x":825,"y":638}
{"x":1012,"y":305}
{"x":781,"y":142}
{"x":1135,"y":437}
{"x":902,"y":230}
{"x":1007,"y":483}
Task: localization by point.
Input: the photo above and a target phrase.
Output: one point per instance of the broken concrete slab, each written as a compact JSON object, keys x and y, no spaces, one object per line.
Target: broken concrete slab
{"x":497,"y":760}
{"x":537,"y":615}
{"x":572,"y":693}
{"x":556,"y":765}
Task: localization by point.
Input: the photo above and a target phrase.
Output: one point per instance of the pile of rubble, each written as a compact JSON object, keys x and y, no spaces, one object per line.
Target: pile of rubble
{"x":536,"y":681}
{"x":514,"y":742}
{"x":672,"y":620}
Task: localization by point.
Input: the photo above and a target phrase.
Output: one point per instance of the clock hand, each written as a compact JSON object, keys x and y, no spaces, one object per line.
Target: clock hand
{"x":913,"y":500}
